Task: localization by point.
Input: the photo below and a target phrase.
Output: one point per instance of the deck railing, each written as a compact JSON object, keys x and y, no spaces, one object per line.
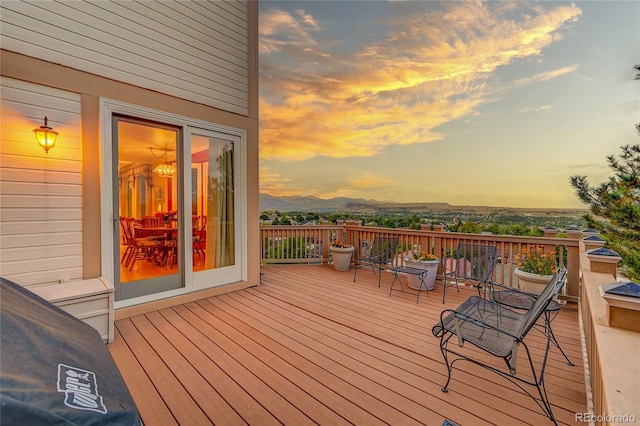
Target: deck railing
{"x":611,"y":364}
{"x":310,"y":244}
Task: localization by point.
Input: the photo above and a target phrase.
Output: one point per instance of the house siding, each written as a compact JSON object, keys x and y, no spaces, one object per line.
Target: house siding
{"x":54,"y":233}
{"x":196,"y":51}
{"x":41,"y":194}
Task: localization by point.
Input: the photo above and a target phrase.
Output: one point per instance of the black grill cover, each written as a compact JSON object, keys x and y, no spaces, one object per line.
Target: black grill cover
{"x":55,"y":369}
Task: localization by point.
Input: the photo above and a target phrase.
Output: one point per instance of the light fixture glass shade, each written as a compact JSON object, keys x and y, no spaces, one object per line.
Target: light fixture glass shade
{"x":46,"y":136}
{"x":165,"y":170}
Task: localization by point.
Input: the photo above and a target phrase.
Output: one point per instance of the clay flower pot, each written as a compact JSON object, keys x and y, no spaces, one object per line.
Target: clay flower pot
{"x":431,"y":266}
{"x":341,"y":257}
{"x":530,"y":282}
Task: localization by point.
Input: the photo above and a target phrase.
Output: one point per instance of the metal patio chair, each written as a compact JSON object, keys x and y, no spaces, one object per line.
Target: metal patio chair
{"x":380,"y":255}
{"x":500,"y":332}
{"x":470,"y":262}
{"x":516,"y":299}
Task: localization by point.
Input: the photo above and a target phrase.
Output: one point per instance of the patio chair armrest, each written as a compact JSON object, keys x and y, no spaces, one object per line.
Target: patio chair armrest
{"x":496,"y":284}
{"x":513,"y":298}
{"x":515,"y":290}
{"x":439,"y":328}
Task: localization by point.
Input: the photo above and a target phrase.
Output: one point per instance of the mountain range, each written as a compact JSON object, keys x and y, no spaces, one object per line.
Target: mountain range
{"x":361,"y":205}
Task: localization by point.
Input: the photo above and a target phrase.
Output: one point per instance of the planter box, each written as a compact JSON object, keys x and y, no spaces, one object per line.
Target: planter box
{"x":532,"y":283}
{"x":431,"y":266}
{"x":341,"y":257}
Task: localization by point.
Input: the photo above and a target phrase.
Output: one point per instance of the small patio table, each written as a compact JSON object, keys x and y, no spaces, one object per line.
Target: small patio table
{"x":421,"y":273}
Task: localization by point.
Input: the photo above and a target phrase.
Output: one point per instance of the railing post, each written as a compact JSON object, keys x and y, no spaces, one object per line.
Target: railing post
{"x":347,"y":236}
{"x":592,"y":242}
{"x":604,"y":260}
{"x":550,"y":232}
{"x":438,"y":247}
{"x":326,"y":240}
{"x":573,"y":265}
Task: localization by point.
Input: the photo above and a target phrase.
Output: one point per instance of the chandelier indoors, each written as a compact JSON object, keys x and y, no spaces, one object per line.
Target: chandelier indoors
{"x":165,"y":169}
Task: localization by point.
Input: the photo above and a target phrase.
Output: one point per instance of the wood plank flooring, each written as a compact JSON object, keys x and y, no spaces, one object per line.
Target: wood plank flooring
{"x":310,"y":346}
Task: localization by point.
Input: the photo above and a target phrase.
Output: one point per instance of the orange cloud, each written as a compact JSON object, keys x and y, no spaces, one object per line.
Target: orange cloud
{"x":431,"y":68}
{"x":274,"y":184}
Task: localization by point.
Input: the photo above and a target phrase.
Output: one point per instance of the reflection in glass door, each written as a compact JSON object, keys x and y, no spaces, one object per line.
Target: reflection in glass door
{"x":214,"y":206}
{"x":146,"y":195}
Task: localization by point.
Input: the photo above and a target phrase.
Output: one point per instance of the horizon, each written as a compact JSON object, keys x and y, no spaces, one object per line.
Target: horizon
{"x":426,"y":203}
{"x":492,"y":104}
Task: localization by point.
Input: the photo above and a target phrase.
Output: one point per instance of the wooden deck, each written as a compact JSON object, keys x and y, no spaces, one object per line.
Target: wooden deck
{"x":311,"y":346}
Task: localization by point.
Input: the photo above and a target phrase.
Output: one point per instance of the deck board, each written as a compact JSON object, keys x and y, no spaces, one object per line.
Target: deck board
{"x":310,"y":346}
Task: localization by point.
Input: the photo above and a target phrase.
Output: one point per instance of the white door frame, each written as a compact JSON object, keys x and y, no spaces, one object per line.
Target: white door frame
{"x":237,"y":272}
{"x":109,"y":218}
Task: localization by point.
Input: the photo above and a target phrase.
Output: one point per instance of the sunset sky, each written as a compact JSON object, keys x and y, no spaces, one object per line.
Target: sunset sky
{"x":470,"y":103}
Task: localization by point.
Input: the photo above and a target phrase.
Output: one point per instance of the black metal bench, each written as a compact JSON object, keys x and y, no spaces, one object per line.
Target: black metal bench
{"x":500,"y":332}
{"x":517,"y":299}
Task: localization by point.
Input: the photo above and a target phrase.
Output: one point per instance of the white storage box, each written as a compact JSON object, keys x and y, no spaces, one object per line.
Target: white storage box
{"x":88,"y":300}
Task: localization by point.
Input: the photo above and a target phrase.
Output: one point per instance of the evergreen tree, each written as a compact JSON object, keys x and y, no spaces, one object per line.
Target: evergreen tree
{"x":470,"y":227}
{"x":615,"y":207}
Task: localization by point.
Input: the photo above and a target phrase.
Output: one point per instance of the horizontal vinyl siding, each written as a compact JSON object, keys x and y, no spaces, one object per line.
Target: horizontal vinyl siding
{"x":40,"y":193}
{"x":192,"y":50}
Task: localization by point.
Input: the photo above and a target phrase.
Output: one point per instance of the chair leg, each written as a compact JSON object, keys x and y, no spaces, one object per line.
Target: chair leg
{"x":396,"y":278}
{"x":130,"y":256}
{"x":133,"y":257}
{"x":422,"y":283}
{"x":549,"y":330}
{"x":126,"y":253}
{"x":444,"y":340}
{"x":539,"y":382}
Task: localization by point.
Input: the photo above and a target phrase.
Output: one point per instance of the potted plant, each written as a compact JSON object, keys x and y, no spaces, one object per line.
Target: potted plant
{"x":535,"y":269}
{"x":423,"y":260}
{"x":341,"y":253}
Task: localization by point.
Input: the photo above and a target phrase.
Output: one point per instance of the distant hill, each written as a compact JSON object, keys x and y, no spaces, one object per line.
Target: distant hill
{"x":363,"y":206}
{"x":352,"y":205}
{"x":311,"y":204}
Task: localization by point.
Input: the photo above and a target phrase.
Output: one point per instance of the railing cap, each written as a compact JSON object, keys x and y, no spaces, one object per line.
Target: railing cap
{"x":593,"y":238}
{"x":603,"y":256}
{"x":603,"y":252}
{"x":624,"y":288}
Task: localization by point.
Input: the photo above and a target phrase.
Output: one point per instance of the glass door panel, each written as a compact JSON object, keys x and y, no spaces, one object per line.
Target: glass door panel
{"x":214,"y":205}
{"x":146,"y":197}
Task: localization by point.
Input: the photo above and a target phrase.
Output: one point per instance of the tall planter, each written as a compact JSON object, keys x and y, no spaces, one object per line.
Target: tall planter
{"x":341,"y":257}
{"x":531,"y":283}
{"x":431,"y":266}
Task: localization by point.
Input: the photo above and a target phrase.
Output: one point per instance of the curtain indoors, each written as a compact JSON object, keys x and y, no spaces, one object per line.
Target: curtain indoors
{"x":220,"y":245}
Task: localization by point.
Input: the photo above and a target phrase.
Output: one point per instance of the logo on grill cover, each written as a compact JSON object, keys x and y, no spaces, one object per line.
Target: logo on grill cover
{"x":80,"y":388}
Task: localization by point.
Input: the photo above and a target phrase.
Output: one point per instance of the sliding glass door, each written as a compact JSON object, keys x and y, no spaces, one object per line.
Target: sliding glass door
{"x":214,"y":207}
{"x":174,"y":205}
{"x":147,"y":191}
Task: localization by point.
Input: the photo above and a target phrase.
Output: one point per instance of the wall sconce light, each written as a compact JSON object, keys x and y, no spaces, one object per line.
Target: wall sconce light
{"x":46,"y":136}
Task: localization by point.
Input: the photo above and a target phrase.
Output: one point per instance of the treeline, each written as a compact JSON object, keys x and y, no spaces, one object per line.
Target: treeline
{"x":496,"y":224}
